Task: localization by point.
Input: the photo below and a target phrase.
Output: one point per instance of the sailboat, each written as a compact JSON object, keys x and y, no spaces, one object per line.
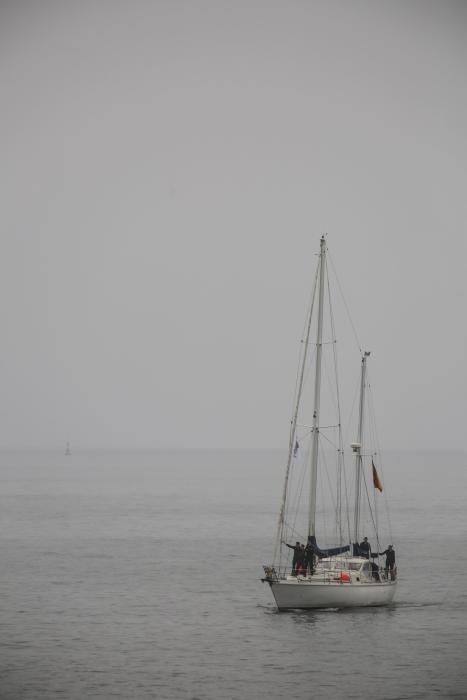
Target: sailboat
{"x":319,"y":502}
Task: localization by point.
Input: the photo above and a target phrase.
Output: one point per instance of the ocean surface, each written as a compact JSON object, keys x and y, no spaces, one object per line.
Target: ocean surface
{"x":137,"y":575}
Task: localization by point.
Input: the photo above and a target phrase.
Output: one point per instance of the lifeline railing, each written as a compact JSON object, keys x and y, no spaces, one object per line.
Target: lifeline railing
{"x":273,"y":574}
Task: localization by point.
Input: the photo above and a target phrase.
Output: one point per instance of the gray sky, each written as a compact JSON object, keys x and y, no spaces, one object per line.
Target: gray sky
{"x":167,"y":170}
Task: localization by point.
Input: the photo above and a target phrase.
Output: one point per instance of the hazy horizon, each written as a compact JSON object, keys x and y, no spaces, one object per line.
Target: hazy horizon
{"x":58,"y":449}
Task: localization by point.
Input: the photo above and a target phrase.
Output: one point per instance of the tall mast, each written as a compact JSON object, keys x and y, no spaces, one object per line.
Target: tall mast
{"x":317,"y":395}
{"x":358,"y":449}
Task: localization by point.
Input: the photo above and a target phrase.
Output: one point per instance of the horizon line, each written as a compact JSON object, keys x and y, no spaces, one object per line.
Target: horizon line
{"x":167,"y":448}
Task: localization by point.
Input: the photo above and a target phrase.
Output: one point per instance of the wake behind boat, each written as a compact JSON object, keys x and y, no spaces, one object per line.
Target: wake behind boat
{"x":350,"y":573}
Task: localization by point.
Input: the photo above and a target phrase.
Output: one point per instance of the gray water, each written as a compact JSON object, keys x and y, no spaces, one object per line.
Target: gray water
{"x":137,"y":575}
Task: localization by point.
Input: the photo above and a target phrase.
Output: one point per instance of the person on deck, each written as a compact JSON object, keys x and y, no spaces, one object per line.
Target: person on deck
{"x":301,"y":564}
{"x":309,"y":559}
{"x":365,"y":548}
{"x":297,"y":555}
{"x":390,"y":567}
{"x":374,"y":570}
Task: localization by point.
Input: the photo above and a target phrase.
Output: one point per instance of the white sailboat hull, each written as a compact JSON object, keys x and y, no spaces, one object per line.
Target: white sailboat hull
{"x":307,"y":594}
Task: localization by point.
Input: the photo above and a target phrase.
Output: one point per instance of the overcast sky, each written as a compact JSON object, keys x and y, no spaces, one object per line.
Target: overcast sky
{"x":167,"y":171}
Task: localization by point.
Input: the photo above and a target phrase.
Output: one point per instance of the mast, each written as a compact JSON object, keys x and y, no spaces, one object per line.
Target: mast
{"x":317,"y":394}
{"x":357,"y":447}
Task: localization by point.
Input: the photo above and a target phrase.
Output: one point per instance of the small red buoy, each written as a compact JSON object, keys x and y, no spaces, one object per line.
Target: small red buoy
{"x":345,"y":577}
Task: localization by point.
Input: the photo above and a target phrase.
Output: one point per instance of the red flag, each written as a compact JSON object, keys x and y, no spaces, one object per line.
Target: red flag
{"x":376,"y":480}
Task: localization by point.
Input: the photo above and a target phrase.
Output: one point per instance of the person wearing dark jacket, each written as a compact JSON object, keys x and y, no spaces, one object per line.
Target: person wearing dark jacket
{"x":297,"y":555}
{"x":309,"y":559}
{"x":390,"y":561}
{"x":374,"y":570}
{"x":365,"y":548}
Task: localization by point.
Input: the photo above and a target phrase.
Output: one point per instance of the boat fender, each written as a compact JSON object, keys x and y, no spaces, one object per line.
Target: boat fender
{"x":343,"y":577}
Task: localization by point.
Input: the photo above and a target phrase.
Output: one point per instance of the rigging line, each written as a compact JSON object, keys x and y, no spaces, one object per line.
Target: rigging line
{"x":351,"y":417}
{"x":295,"y":414}
{"x":371,"y":431}
{"x":336,"y":374}
{"x":326,"y":342}
{"x":326,"y":471}
{"x":333,"y":380}
{"x":370,"y":508}
{"x":303,"y":357}
{"x":376,"y":518}
{"x":346,"y":494}
{"x":345,"y":304}
{"x":337,"y":504}
{"x":294,"y":506}
{"x":305,"y":336}
{"x":372,"y":414}
{"x":330,"y":374}
{"x":299,"y":390}
{"x":294,"y":533}
{"x":328,"y":439}
{"x":347,"y":476}
{"x":344,"y":470}
{"x":324,"y":427}
{"x":309,"y":368}
{"x":296,"y":481}
{"x":340,"y":470}
{"x":333,"y":335}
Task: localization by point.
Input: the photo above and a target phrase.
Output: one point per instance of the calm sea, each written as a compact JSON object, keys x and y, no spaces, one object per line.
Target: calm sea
{"x":137,"y":575}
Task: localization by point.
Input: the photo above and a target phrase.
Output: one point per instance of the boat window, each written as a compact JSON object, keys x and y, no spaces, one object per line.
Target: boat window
{"x":354,"y":566}
{"x":339,"y":565}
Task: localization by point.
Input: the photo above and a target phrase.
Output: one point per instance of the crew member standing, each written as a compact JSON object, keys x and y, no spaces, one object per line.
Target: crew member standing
{"x":365,"y":548}
{"x":297,"y":556}
{"x":390,"y":567}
